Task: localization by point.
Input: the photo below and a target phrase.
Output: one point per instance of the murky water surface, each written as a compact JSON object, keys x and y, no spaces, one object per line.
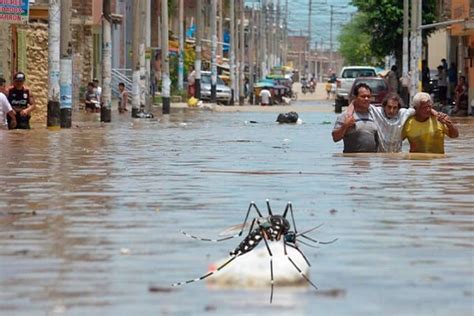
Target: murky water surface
{"x":90,"y":218}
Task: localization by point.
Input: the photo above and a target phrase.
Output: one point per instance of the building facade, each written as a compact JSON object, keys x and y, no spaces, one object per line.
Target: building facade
{"x":461,"y":43}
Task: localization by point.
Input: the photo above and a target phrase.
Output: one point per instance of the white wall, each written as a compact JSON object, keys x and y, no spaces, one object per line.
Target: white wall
{"x":437,"y":48}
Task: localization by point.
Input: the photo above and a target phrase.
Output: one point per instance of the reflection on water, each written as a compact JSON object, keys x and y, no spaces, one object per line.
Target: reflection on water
{"x":73,"y":201}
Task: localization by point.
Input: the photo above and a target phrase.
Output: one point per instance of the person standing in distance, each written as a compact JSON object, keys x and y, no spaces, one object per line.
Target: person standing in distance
{"x":265,"y":97}
{"x":123,"y":98}
{"x":22,"y":101}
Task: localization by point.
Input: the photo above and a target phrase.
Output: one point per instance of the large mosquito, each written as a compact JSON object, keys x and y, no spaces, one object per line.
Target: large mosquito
{"x":269,"y":228}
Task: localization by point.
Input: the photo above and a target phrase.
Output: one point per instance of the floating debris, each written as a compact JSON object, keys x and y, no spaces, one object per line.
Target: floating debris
{"x":125,"y":251}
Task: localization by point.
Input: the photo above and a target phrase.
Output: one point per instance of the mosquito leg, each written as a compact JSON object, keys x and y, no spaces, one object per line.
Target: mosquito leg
{"x":269,"y":208}
{"x":319,"y":242}
{"x":289,"y":206}
{"x":252,"y":204}
{"x":302,"y":254}
{"x":308,"y":230}
{"x":271,"y":267}
{"x":207,"y":239}
{"x":306,"y":244}
{"x":296,"y":267}
{"x":206,"y":275}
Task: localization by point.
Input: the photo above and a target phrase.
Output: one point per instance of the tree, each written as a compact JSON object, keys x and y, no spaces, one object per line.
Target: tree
{"x":385,"y":23}
{"x":356,"y":44}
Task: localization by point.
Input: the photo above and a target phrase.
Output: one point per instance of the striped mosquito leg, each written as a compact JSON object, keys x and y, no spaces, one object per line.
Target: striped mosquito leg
{"x":252,"y":204}
{"x":271,"y":268}
{"x":302,"y":254}
{"x":297,"y":268}
{"x":206,"y":275}
{"x":289,"y":206}
{"x":319,"y":242}
{"x":208,"y":239}
{"x":269,"y":208}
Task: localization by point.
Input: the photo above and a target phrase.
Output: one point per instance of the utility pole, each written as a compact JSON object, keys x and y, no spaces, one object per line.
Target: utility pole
{"x":181,"y":46}
{"x":278,"y":35}
{"x":213,"y":50}
{"x":106,"y":96}
{"x":232,"y":50}
{"x":285,"y":34}
{"x":257,"y":43}
{"x":310,"y":9}
{"x":148,"y":59}
{"x":331,"y":62}
{"x":165,"y":73}
{"x":251,"y":51}
{"x":405,"y":91}
{"x":155,"y":35}
{"x":415,"y":50}
{"x":54,"y":110}
{"x":136,"y":7}
{"x":142,"y":49}
{"x":220,"y":30}
{"x":242,"y":53}
{"x":65,"y":78}
{"x":197,"y":63}
{"x":419,"y":43}
{"x":237,"y":52}
{"x":264,"y":39}
{"x":271,"y":35}
{"x":406,"y":9}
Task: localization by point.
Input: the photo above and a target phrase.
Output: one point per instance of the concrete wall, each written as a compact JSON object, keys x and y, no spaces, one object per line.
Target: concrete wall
{"x":37,"y":66}
{"x":82,"y":44}
{"x":5,"y":50}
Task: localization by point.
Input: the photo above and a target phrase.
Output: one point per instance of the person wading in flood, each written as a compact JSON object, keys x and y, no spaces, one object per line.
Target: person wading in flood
{"x":424,"y":133}
{"x":123,"y":98}
{"x":390,"y":118}
{"x":22,"y":101}
{"x":357,"y":128}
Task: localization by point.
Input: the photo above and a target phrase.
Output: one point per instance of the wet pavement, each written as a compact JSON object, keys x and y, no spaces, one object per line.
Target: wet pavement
{"x":90,"y":217}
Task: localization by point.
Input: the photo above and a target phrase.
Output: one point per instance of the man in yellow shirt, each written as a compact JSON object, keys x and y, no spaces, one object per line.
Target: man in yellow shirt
{"x":425,"y":132}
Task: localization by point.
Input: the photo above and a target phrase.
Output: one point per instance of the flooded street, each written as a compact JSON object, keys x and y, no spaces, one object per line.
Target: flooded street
{"x":90,"y":218}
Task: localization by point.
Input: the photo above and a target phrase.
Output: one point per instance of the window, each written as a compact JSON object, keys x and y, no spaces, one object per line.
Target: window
{"x":355,"y":73}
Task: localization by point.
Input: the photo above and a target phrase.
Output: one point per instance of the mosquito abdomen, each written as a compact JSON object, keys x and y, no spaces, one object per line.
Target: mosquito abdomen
{"x":249,"y":243}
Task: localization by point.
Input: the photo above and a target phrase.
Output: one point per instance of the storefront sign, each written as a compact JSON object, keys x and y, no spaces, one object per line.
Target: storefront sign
{"x":14,"y":11}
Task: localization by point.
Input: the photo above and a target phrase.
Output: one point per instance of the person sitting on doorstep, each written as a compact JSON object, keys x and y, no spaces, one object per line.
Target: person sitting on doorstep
{"x":91,"y":98}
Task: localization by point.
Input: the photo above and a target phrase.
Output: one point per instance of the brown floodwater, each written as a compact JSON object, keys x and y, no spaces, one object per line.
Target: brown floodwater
{"x":90,"y":217}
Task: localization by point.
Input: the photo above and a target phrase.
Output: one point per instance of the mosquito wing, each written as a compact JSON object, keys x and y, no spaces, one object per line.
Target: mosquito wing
{"x":235,"y":229}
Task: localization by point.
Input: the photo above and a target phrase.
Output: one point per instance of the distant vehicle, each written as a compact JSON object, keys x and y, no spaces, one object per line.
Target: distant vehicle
{"x":378,"y":86}
{"x":307,"y":86}
{"x":223,"y":92}
{"x":346,"y":79}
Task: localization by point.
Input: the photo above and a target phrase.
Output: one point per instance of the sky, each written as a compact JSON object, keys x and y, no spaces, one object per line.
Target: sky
{"x":320,"y":18}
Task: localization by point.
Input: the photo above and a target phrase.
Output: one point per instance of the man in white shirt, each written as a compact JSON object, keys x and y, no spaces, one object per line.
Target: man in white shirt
{"x":5,"y":108}
{"x":390,"y":118}
{"x":265,"y":97}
